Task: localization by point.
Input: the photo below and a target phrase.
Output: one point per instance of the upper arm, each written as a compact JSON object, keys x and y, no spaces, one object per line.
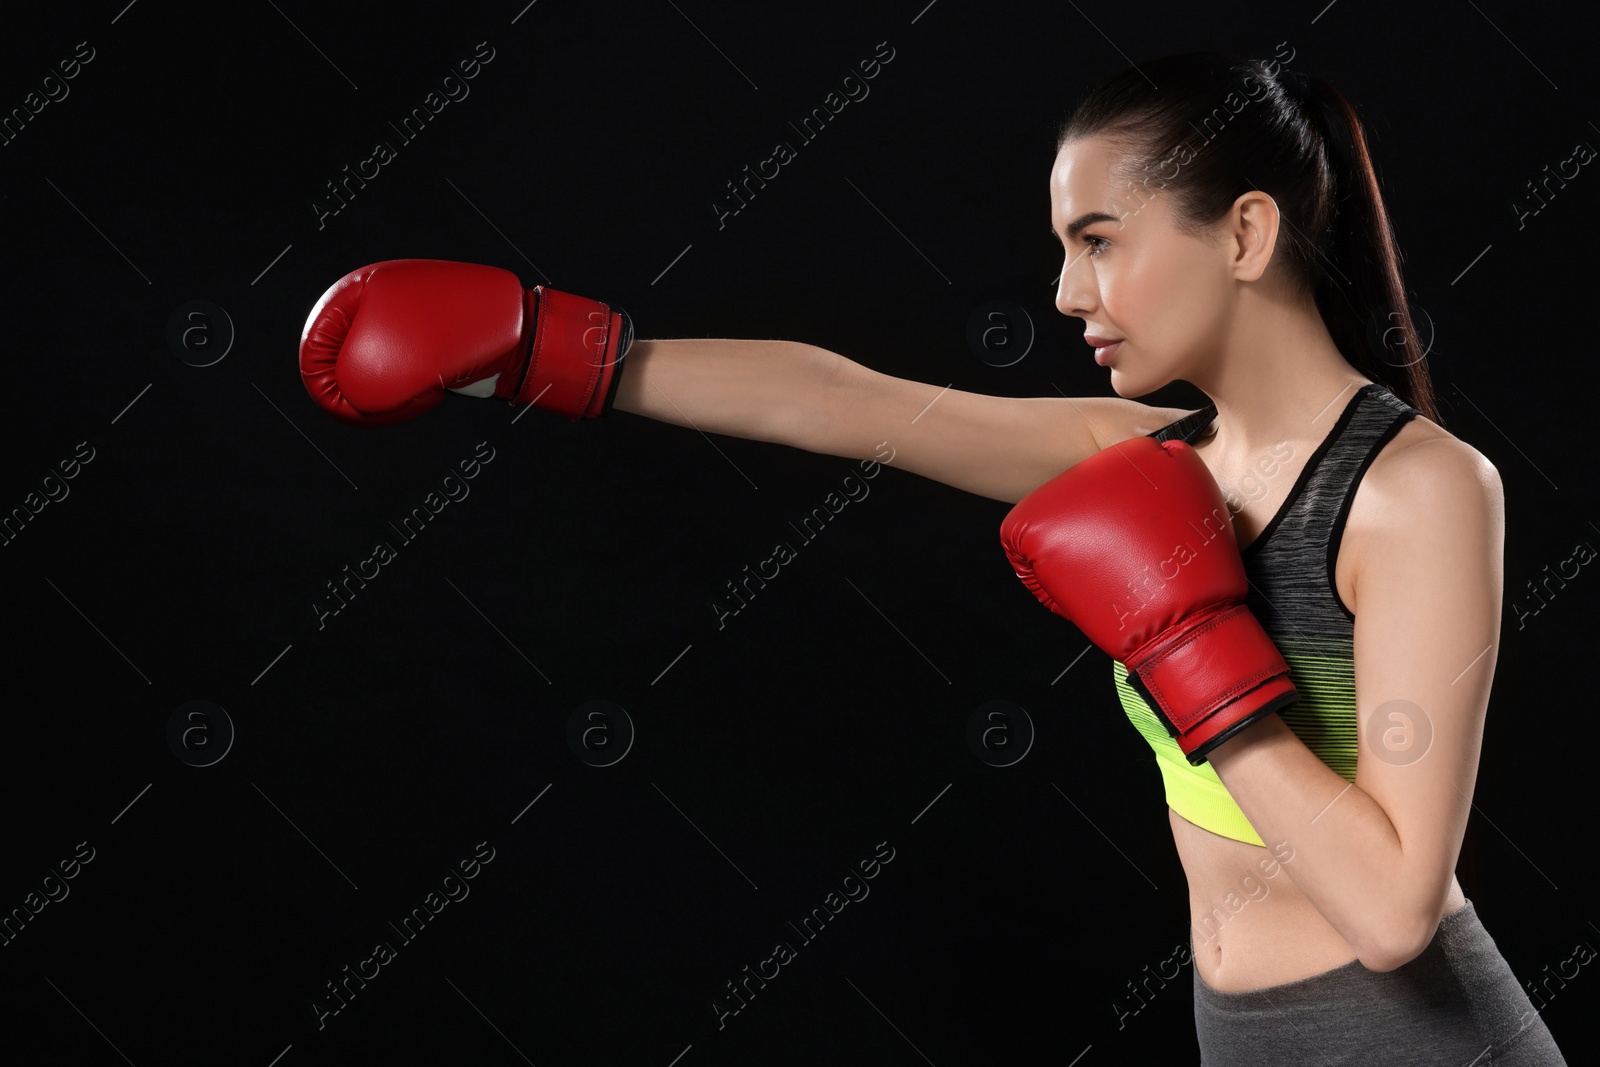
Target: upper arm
{"x":998,"y":447}
{"x":1428,"y":584}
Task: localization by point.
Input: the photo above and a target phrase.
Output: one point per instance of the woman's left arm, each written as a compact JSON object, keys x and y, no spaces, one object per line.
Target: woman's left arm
{"x":1376,"y":856}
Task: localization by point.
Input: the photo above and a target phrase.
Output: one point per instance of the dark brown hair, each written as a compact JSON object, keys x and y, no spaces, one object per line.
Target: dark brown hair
{"x":1209,"y":126}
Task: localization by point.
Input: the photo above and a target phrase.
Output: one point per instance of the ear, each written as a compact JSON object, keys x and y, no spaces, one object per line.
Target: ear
{"x":1251,"y":229}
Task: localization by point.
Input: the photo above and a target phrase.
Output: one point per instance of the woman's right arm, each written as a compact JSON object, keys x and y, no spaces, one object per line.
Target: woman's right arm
{"x":807,"y":397}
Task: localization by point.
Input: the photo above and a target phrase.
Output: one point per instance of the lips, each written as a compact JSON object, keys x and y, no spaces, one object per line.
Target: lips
{"x":1096,"y":341}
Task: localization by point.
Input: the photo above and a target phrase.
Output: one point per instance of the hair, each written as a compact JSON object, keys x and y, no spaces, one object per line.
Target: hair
{"x":1223,"y":125}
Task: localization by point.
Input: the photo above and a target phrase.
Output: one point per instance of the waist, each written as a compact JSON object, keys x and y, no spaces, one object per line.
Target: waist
{"x":1458,"y":1002}
{"x":1459,"y":935}
{"x":1250,"y":924}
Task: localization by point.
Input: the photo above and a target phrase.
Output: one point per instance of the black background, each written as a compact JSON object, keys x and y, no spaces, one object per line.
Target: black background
{"x":374,"y":753}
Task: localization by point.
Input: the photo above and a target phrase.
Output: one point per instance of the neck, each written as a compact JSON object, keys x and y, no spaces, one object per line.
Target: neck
{"x":1283,"y":379}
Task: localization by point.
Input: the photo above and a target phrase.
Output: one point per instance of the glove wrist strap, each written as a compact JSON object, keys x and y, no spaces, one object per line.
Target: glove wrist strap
{"x":573,"y":357}
{"x":1211,"y":681}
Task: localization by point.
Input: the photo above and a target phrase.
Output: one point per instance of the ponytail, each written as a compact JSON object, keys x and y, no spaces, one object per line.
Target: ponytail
{"x":1359,"y":288}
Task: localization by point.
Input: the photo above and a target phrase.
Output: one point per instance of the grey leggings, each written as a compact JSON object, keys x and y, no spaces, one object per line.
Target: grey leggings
{"x":1457,"y":1004}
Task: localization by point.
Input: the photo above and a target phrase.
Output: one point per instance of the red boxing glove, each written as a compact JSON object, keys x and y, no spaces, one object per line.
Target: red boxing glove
{"x":1135,"y":546}
{"x":385,"y":342}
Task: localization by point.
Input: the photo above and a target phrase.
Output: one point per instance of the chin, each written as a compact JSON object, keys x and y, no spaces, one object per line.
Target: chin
{"x":1132,"y":386}
{"x":1129,"y":386}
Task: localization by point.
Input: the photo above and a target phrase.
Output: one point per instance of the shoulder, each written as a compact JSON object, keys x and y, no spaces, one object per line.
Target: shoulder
{"x":1430,"y":491}
{"x":1428,"y":466}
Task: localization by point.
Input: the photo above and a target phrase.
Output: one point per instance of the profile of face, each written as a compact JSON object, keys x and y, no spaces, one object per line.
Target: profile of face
{"x":1130,"y":274}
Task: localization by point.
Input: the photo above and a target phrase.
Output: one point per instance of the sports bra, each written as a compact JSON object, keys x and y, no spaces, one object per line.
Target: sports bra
{"x":1290,"y":567}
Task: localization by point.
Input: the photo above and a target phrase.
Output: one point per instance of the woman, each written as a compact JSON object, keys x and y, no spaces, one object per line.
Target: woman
{"x":1222,"y":225}
{"x":1249,"y":239}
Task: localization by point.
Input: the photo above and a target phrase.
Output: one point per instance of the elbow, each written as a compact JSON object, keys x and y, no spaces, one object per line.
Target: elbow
{"x":812,"y":408}
{"x":1398,"y":943}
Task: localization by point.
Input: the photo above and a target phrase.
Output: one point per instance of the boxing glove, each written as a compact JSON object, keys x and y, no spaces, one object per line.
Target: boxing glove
{"x":1135,"y":545}
{"x":384,"y":343}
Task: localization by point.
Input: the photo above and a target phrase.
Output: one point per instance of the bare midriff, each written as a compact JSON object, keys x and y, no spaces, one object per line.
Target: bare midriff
{"x":1252,"y":926}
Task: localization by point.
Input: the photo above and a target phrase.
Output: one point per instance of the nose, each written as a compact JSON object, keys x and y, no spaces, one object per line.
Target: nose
{"x":1075,"y":293}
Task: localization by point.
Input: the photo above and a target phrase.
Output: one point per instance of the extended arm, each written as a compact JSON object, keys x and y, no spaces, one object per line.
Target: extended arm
{"x":797,"y":394}
{"x":387,"y":342}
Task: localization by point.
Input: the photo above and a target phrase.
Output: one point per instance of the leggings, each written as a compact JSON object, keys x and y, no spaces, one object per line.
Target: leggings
{"x":1455,"y":1005}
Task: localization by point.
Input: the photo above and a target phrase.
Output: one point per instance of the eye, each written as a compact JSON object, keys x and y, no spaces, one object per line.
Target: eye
{"x":1096,"y":249}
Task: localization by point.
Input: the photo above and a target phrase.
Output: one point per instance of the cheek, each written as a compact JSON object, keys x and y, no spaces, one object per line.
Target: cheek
{"x":1136,"y":291}
{"x":1166,"y":297}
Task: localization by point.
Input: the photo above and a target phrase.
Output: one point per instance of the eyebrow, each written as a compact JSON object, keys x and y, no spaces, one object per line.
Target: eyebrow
{"x":1082,"y":222}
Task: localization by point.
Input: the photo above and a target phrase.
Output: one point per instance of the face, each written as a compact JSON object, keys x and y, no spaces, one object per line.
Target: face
{"x":1134,"y":277}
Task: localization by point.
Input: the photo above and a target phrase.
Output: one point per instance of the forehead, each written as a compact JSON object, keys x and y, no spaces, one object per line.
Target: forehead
{"x":1089,"y":181}
{"x":1082,"y":177}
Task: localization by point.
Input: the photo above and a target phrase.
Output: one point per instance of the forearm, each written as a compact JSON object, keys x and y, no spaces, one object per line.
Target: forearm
{"x":761,"y":390}
{"x":1348,"y":858}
